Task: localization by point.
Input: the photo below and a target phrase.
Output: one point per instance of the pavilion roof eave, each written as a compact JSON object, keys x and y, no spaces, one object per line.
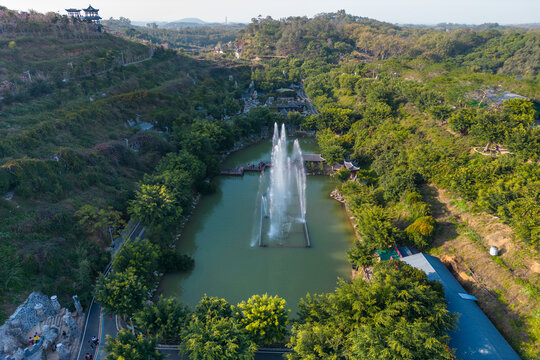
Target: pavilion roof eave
{"x":349,"y":165}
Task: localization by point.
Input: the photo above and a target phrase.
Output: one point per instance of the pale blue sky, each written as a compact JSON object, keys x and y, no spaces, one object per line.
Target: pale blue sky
{"x":394,"y":11}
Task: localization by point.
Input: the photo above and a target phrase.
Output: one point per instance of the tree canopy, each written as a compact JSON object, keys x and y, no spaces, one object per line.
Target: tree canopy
{"x":122,"y":292}
{"x":399,"y":313}
{"x":134,"y":347}
{"x":265,"y":318}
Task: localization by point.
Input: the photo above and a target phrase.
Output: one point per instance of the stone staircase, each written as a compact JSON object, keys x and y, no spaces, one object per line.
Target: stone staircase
{"x":58,"y":322}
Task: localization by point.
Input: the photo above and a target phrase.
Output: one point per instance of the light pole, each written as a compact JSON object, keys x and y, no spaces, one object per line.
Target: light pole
{"x":110,"y":232}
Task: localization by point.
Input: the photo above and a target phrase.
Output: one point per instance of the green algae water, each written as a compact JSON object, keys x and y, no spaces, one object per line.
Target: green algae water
{"x":221,"y":237}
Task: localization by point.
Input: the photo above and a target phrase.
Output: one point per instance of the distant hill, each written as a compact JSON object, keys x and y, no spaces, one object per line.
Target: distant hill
{"x":182,"y":23}
{"x":488,"y":47}
{"x":53,"y":50}
{"x":191,"y":20}
{"x":187,"y":22}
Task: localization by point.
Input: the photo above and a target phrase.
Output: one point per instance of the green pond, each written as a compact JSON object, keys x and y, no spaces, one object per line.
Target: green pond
{"x":223,"y":229}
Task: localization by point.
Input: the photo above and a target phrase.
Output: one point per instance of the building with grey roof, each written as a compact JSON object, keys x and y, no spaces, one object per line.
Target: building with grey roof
{"x":313,"y":157}
{"x":476,"y":337}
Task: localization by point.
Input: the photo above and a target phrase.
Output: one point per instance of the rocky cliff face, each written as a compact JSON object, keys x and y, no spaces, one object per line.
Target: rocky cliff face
{"x":13,"y":332}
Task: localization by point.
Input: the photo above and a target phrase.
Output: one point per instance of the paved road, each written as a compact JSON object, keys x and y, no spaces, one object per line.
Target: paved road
{"x":97,"y":322}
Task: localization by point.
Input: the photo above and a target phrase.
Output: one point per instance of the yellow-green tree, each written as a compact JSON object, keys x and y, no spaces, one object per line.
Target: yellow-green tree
{"x":398,"y":314}
{"x":126,"y":346}
{"x":520,"y":110}
{"x":462,"y":120}
{"x":154,"y":205}
{"x":375,"y":227}
{"x":142,"y":256}
{"x":213,"y":333}
{"x":122,"y":292}
{"x":265,"y":318}
{"x":100,"y":220}
{"x":163,"y":320}
{"x":331,"y":145}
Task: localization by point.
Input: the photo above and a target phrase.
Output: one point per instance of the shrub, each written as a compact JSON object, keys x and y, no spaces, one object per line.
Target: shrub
{"x":421,"y":231}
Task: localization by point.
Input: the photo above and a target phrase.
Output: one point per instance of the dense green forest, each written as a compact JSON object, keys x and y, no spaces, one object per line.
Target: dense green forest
{"x":398,"y":313}
{"x":339,"y":36}
{"x":410,"y":106}
{"x":413,"y":107}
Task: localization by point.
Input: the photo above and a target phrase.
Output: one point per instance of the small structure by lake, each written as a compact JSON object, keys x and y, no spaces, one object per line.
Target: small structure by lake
{"x":314,"y":163}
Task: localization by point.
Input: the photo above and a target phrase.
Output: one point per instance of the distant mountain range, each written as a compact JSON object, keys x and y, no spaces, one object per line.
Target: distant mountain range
{"x":182,"y":23}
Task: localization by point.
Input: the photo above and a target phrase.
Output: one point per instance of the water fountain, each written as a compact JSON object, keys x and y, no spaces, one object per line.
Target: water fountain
{"x":283,"y":205}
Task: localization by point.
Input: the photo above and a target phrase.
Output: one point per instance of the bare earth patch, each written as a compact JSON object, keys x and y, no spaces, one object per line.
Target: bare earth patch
{"x":502,"y":284}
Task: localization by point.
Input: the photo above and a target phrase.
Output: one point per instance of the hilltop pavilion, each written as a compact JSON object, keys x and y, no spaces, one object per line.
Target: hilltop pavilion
{"x":90,"y":14}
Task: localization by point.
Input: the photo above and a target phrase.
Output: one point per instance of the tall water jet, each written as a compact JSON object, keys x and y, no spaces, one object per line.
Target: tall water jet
{"x":279,"y":184}
{"x":285,"y":205}
{"x":298,"y":163}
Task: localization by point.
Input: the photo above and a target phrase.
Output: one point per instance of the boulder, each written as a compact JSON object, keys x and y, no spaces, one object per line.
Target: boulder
{"x":71,"y":324}
{"x":26,"y":313}
{"x":23,"y":320}
{"x":49,"y":335}
{"x":63,"y":352}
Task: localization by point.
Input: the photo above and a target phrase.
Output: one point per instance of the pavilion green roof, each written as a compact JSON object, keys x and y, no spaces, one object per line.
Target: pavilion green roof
{"x":390,"y":253}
